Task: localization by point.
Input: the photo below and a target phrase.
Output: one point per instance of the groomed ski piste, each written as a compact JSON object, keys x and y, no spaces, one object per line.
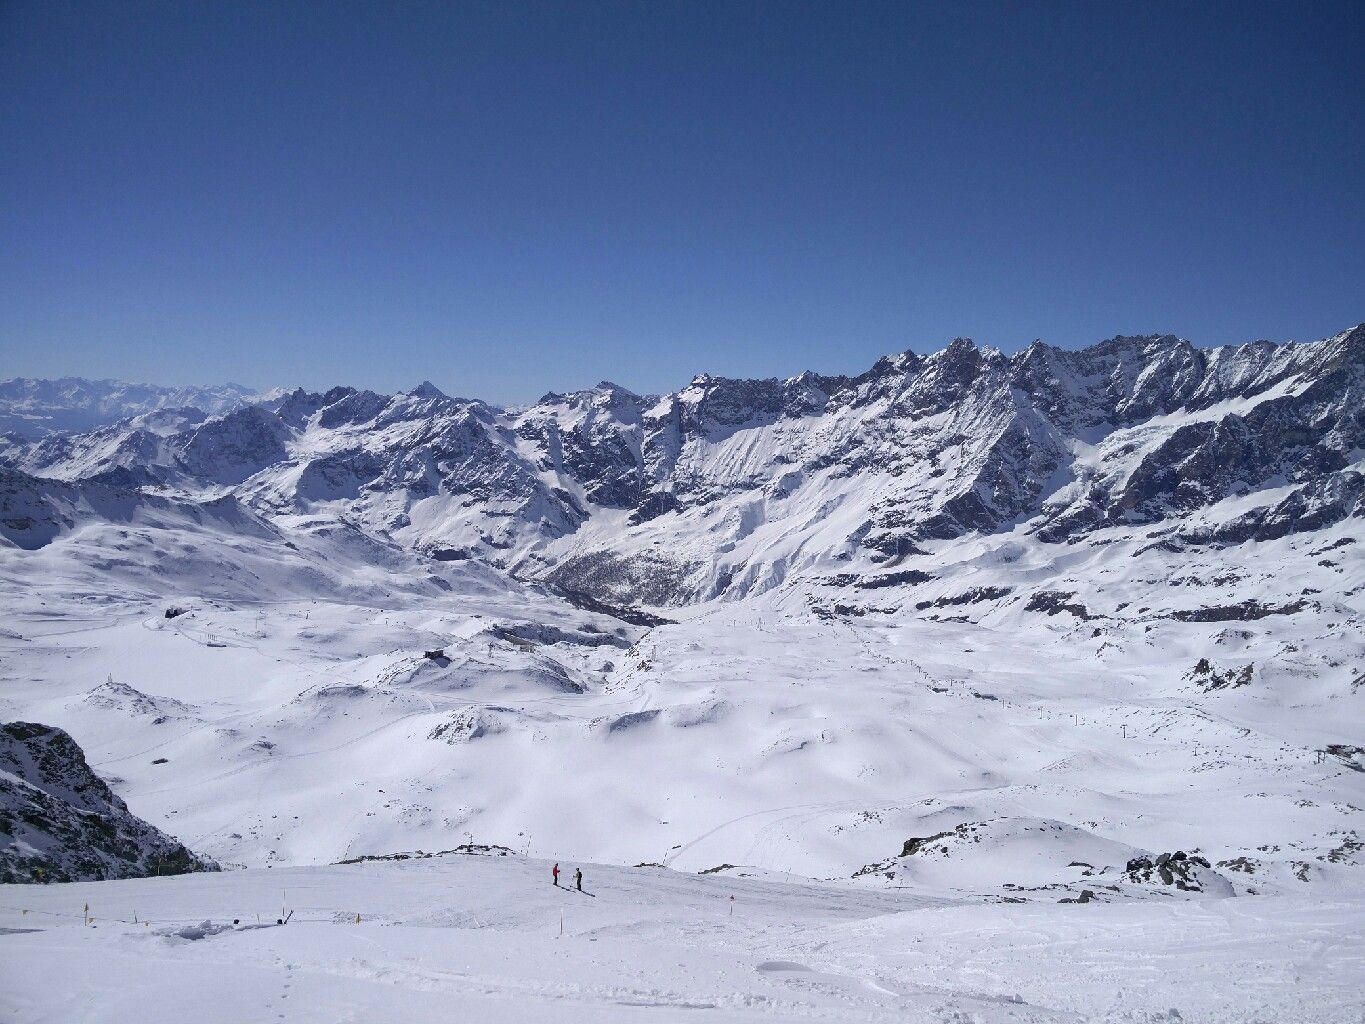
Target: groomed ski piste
{"x":479,"y":938}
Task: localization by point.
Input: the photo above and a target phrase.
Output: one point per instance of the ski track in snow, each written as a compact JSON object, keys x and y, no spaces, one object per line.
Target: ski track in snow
{"x":454,"y":937}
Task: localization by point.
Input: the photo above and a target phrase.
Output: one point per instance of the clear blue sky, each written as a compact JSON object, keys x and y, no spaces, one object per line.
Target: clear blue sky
{"x":512,"y":197}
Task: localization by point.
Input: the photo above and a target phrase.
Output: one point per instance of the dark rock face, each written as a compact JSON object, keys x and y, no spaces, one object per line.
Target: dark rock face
{"x":652,"y":506}
{"x":1053,"y":602}
{"x":1246,"y":611}
{"x":1179,"y":869}
{"x":1210,"y":678}
{"x":231,"y":448}
{"x":634,"y":616}
{"x":906,"y":577}
{"x":914,"y":845}
{"x":1320,"y":503}
{"x":339,"y":475}
{"x":973,"y":596}
{"x":938,"y":845}
{"x":623,"y":581}
{"x":59,"y":822}
{"x":463,"y":850}
{"x":594,"y":437}
{"x":1086,"y":896}
{"x":543,"y":633}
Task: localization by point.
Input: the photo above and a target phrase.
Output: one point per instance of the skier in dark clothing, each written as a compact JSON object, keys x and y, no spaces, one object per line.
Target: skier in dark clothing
{"x":554,"y":873}
{"x":578,"y":878}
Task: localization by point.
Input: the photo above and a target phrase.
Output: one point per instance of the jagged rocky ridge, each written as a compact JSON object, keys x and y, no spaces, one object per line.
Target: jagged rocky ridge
{"x":60,"y":822}
{"x":728,"y":487}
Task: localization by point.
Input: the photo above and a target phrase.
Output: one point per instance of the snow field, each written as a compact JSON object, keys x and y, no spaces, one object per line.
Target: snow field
{"x":478,"y":937}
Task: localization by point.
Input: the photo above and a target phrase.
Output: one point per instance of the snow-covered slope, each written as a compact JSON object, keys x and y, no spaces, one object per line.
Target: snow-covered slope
{"x":480,"y":938}
{"x":1066,"y":612}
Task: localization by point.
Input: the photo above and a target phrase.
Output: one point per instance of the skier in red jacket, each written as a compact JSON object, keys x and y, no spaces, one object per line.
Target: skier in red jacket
{"x":554,"y":873}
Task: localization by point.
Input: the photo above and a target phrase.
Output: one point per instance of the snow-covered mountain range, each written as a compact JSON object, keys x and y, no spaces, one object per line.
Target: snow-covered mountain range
{"x":967,"y":622}
{"x":727,"y":487}
{"x":35,"y":407}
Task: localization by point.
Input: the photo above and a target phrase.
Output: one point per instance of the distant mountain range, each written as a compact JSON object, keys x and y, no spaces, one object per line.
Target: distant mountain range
{"x":728,"y":487}
{"x":35,"y":407}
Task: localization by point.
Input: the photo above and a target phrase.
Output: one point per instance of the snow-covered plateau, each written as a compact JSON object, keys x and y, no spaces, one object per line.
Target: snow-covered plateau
{"x":992,"y":688}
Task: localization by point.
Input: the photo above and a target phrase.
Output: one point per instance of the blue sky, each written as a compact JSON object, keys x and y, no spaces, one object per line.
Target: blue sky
{"x":511,"y":198}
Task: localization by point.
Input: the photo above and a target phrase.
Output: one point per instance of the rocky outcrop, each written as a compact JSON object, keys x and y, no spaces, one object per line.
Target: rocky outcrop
{"x":60,"y":822}
{"x":1209,"y":678}
{"x":1188,"y":872}
{"x":1053,"y":602}
{"x":1246,"y":611}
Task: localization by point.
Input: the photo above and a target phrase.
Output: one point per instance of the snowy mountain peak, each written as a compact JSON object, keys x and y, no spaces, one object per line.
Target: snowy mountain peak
{"x":725,"y":476}
{"x":427,"y":389}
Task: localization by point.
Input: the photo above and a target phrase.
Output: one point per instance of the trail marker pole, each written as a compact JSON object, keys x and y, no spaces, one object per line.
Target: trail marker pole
{"x":561,"y":923}
{"x":87,"y":915}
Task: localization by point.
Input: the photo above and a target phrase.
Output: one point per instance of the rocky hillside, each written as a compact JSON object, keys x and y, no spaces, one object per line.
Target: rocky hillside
{"x":59,"y":822}
{"x":731,"y":487}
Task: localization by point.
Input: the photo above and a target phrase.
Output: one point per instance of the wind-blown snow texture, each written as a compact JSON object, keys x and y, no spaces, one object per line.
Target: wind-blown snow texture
{"x":1061,"y":626}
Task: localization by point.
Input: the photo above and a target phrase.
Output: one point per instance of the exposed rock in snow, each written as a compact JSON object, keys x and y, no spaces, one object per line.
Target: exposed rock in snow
{"x":1187,"y":872}
{"x":59,"y":822}
{"x":127,"y":700}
